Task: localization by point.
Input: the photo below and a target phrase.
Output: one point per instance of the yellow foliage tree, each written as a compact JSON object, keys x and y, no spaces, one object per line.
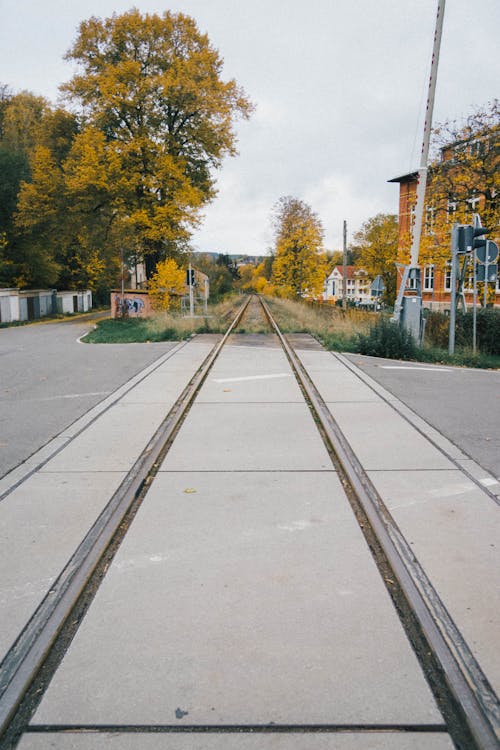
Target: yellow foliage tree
{"x":167,"y":285}
{"x":376,"y":245}
{"x":159,"y":119}
{"x":463,"y":179}
{"x":299,"y":267}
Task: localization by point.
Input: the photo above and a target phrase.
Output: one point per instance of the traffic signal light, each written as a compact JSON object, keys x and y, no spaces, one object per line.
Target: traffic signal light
{"x":190,"y":277}
{"x":470,"y":238}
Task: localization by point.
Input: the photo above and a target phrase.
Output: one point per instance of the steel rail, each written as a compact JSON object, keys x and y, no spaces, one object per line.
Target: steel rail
{"x":27,"y":655}
{"x":464,"y":678}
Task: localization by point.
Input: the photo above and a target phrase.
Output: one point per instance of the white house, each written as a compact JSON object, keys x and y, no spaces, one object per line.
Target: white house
{"x":358,"y":285}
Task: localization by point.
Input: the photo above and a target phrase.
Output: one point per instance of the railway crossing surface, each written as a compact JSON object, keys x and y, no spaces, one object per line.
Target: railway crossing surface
{"x":245,"y":600}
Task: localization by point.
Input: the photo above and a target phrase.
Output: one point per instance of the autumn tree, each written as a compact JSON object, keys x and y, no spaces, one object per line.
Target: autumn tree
{"x":167,"y":285}
{"x":34,"y":140}
{"x":299,"y":266}
{"x":463,"y":179}
{"x":159,"y":119}
{"x":376,"y":245}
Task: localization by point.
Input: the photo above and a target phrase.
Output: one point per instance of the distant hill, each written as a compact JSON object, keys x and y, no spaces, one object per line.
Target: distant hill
{"x":237,"y":258}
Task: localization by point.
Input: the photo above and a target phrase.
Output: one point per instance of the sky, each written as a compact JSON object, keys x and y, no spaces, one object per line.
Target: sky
{"x":340,"y":89}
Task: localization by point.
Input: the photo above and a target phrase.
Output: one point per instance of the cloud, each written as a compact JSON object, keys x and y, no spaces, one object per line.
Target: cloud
{"x":335,"y":198}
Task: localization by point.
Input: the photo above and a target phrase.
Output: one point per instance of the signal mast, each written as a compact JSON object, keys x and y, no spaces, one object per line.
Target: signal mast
{"x":408,"y":306}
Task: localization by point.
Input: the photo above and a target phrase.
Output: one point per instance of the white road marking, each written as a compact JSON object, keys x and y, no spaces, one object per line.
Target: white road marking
{"x":295,"y":526}
{"x":253,"y":377}
{"x":409,"y":367}
{"x":67,"y":395}
{"x":488,"y":481}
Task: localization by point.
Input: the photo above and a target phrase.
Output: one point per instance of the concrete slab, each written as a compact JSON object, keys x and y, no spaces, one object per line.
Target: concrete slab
{"x":252,"y":375}
{"x":383,"y":440}
{"x":262,"y":437}
{"x":319,"y":360}
{"x":453,"y":528}
{"x":288,"y":741}
{"x":31,"y":464}
{"x":241,"y":598}
{"x":253,"y":340}
{"x":248,"y":360}
{"x":164,"y":385}
{"x":338,"y":385}
{"x":481,"y":475}
{"x":41,"y":524}
{"x":439,"y":440}
{"x":174,"y":347}
{"x":265,"y":388}
{"x":113,"y":442}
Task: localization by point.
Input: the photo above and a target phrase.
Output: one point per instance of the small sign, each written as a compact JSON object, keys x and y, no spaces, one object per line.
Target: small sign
{"x":488,"y":253}
{"x":489,"y":271}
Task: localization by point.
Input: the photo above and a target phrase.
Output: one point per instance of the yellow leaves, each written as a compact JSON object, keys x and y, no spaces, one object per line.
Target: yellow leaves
{"x":299,"y":267}
{"x":87,"y":166}
{"x":36,"y":200}
{"x":167,"y":285}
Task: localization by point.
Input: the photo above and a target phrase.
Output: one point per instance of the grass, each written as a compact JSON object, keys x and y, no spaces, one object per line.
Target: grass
{"x":356,"y":331}
{"x":334,"y":328}
{"x":338,"y":330}
{"x":163,"y":326}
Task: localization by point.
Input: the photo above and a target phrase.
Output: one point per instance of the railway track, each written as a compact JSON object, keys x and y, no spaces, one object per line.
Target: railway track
{"x":462,"y":692}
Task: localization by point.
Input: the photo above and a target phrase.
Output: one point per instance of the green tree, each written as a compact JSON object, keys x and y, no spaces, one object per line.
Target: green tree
{"x":377,"y":248}
{"x":161,"y":119}
{"x":299,"y":265}
{"x":219,"y":276}
{"x":34,"y":140}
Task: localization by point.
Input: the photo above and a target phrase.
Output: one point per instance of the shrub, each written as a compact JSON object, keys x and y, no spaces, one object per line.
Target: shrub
{"x":487,"y":330}
{"x":386,"y":339}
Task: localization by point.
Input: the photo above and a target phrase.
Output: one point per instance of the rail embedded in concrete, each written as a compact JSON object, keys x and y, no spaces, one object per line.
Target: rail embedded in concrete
{"x":25,"y":658}
{"x":474,"y":696}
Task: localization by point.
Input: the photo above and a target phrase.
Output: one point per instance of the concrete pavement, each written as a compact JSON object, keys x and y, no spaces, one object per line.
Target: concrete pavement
{"x":244,"y":592}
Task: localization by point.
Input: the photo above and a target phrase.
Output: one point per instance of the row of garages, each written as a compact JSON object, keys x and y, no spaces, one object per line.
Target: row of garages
{"x":31,"y":304}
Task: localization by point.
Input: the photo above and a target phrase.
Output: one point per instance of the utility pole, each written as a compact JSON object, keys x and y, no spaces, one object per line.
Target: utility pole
{"x":344,"y":267}
{"x":453,"y":284}
{"x":191,"y":293}
{"x":410,"y":313}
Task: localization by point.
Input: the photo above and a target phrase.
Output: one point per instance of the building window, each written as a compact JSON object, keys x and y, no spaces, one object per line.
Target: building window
{"x":473,"y":203}
{"x":429,"y":278}
{"x":451,"y":207}
{"x":477,"y":148}
{"x":447,"y":277}
{"x":430,"y":218}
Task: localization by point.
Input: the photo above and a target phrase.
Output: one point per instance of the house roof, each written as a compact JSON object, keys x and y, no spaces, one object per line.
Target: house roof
{"x":410,"y":177}
{"x":351,"y":271}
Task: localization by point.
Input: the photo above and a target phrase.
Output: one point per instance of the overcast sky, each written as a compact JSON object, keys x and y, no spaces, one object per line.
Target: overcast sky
{"x":339,"y":86}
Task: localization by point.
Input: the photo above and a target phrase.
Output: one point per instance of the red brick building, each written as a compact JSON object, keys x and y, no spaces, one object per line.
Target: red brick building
{"x":436,"y":277}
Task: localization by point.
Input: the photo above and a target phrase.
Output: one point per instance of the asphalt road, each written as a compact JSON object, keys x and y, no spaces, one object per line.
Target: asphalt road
{"x":463,"y":404}
{"x":48,"y":380}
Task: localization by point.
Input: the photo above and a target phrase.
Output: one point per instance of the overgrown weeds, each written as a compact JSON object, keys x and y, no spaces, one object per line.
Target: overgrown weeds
{"x":164,"y":326}
{"x":336,"y":329}
{"x":374,"y":334}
